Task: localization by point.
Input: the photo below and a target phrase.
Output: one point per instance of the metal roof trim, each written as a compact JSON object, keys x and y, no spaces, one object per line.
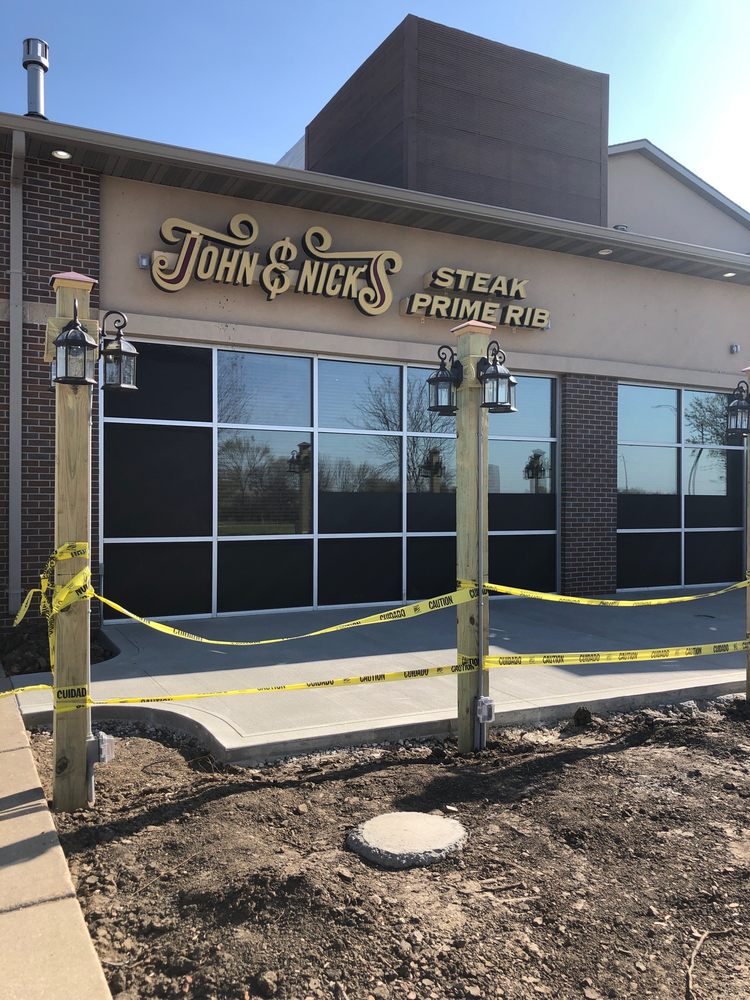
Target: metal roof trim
{"x":430,"y":207}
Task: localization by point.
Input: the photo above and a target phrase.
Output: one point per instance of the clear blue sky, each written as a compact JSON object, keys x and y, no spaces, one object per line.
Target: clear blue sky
{"x":244,"y":77}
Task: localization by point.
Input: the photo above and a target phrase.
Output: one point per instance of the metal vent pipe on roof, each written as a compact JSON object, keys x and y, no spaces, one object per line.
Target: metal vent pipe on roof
{"x":36,"y":64}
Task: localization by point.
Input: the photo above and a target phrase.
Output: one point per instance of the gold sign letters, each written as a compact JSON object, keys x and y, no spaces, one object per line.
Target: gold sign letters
{"x":206,"y":255}
{"x":314,"y":268}
{"x":461,"y":308}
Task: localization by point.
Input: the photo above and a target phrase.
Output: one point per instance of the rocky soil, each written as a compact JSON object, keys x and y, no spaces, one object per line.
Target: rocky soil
{"x":25,"y":650}
{"x":598,"y":856}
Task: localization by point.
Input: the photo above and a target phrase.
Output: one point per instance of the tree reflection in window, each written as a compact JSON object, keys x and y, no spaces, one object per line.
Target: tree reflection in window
{"x":705,"y":424}
{"x":359,"y":396}
{"x":706,"y":417}
{"x":348,"y":463}
{"x":430,"y":465}
{"x":261,"y":491}
{"x":379,"y":407}
{"x":359,"y":483}
{"x":418,"y":417}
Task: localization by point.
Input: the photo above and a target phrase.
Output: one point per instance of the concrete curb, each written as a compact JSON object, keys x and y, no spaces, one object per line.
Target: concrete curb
{"x":47,"y":951}
{"x":226,"y":747}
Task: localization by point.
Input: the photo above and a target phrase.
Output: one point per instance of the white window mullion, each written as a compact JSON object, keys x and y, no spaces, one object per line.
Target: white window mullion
{"x":215,"y":485}
{"x":404,"y":496}
{"x":316,"y":451}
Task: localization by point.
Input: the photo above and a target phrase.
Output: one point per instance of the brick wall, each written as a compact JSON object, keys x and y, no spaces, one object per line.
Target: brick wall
{"x":61,"y":233}
{"x":38,"y":484}
{"x":4,"y":409}
{"x":4,"y":375}
{"x":588,"y":489}
{"x":4,"y":227}
{"x":60,"y":226}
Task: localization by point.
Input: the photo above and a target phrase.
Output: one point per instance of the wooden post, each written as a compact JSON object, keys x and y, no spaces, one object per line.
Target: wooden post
{"x":72,"y":524}
{"x":471,"y":426}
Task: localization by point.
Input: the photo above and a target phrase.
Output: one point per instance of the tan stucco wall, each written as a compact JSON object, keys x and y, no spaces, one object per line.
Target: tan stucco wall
{"x":607,"y":318}
{"x":653,"y":203}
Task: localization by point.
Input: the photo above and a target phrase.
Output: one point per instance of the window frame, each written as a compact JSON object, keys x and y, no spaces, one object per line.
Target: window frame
{"x":681,"y":446}
{"x":315,"y":429}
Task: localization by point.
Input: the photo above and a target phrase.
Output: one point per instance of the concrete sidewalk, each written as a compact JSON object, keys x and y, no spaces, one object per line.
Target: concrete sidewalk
{"x":47,"y":951}
{"x":263,"y":726}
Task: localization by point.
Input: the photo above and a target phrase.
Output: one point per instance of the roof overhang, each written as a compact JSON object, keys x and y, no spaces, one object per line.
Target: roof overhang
{"x":156,"y":163}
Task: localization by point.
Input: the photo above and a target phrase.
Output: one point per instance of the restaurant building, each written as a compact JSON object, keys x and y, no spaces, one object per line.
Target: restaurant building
{"x":279,"y":452}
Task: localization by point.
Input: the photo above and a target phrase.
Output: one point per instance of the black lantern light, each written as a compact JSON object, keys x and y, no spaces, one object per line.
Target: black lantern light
{"x":119,"y":354}
{"x":299,"y":461}
{"x":432,"y":467}
{"x":498,"y":385}
{"x":738,"y":411}
{"x":537,"y":467}
{"x":442,"y":384}
{"x":76,"y":354}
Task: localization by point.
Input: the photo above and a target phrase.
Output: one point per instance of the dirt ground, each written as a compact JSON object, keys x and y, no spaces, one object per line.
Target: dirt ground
{"x":25,"y":650}
{"x":596,"y":858}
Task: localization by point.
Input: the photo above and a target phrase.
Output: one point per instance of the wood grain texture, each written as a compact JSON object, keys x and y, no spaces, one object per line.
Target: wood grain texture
{"x":72,"y":524}
{"x":471,"y":420}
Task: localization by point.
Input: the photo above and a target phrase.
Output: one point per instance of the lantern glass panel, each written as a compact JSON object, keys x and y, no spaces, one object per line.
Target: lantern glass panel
{"x":738,"y":417}
{"x":490,"y":391}
{"x":432,"y":395}
{"x":445,"y":393}
{"x":128,"y":371}
{"x":91,"y":365}
{"x":71,"y":362}
{"x":112,"y":361}
{"x":512,"y":385}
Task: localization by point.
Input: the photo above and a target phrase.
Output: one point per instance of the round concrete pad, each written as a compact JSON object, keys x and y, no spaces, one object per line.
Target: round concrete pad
{"x":406,"y":839}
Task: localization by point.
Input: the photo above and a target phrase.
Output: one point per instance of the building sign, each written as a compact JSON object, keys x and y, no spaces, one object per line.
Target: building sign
{"x":206,"y":255}
{"x":439,"y":305}
{"x":314,"y":268}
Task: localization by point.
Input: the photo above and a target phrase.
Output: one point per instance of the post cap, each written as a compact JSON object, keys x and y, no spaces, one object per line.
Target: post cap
{"x":473,"y":324}
{"x":72,"y":276}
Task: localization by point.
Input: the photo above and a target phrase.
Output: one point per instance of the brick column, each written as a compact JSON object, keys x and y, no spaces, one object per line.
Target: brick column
{"x":4,"y":381}
{"x":61,"y":233}
{"x":588,"y":487}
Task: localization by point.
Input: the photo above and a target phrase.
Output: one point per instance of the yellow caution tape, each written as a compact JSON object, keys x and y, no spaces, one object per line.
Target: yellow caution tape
{"x":70,"y":701}
{"x":615,"y":655}
{"x":539,"y":595}
{"x":55,"y":599}
{"x":395,"y":614}
{"x":71,"y":698}
{"x":61,"y":597}
{"x":23,"y":690}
